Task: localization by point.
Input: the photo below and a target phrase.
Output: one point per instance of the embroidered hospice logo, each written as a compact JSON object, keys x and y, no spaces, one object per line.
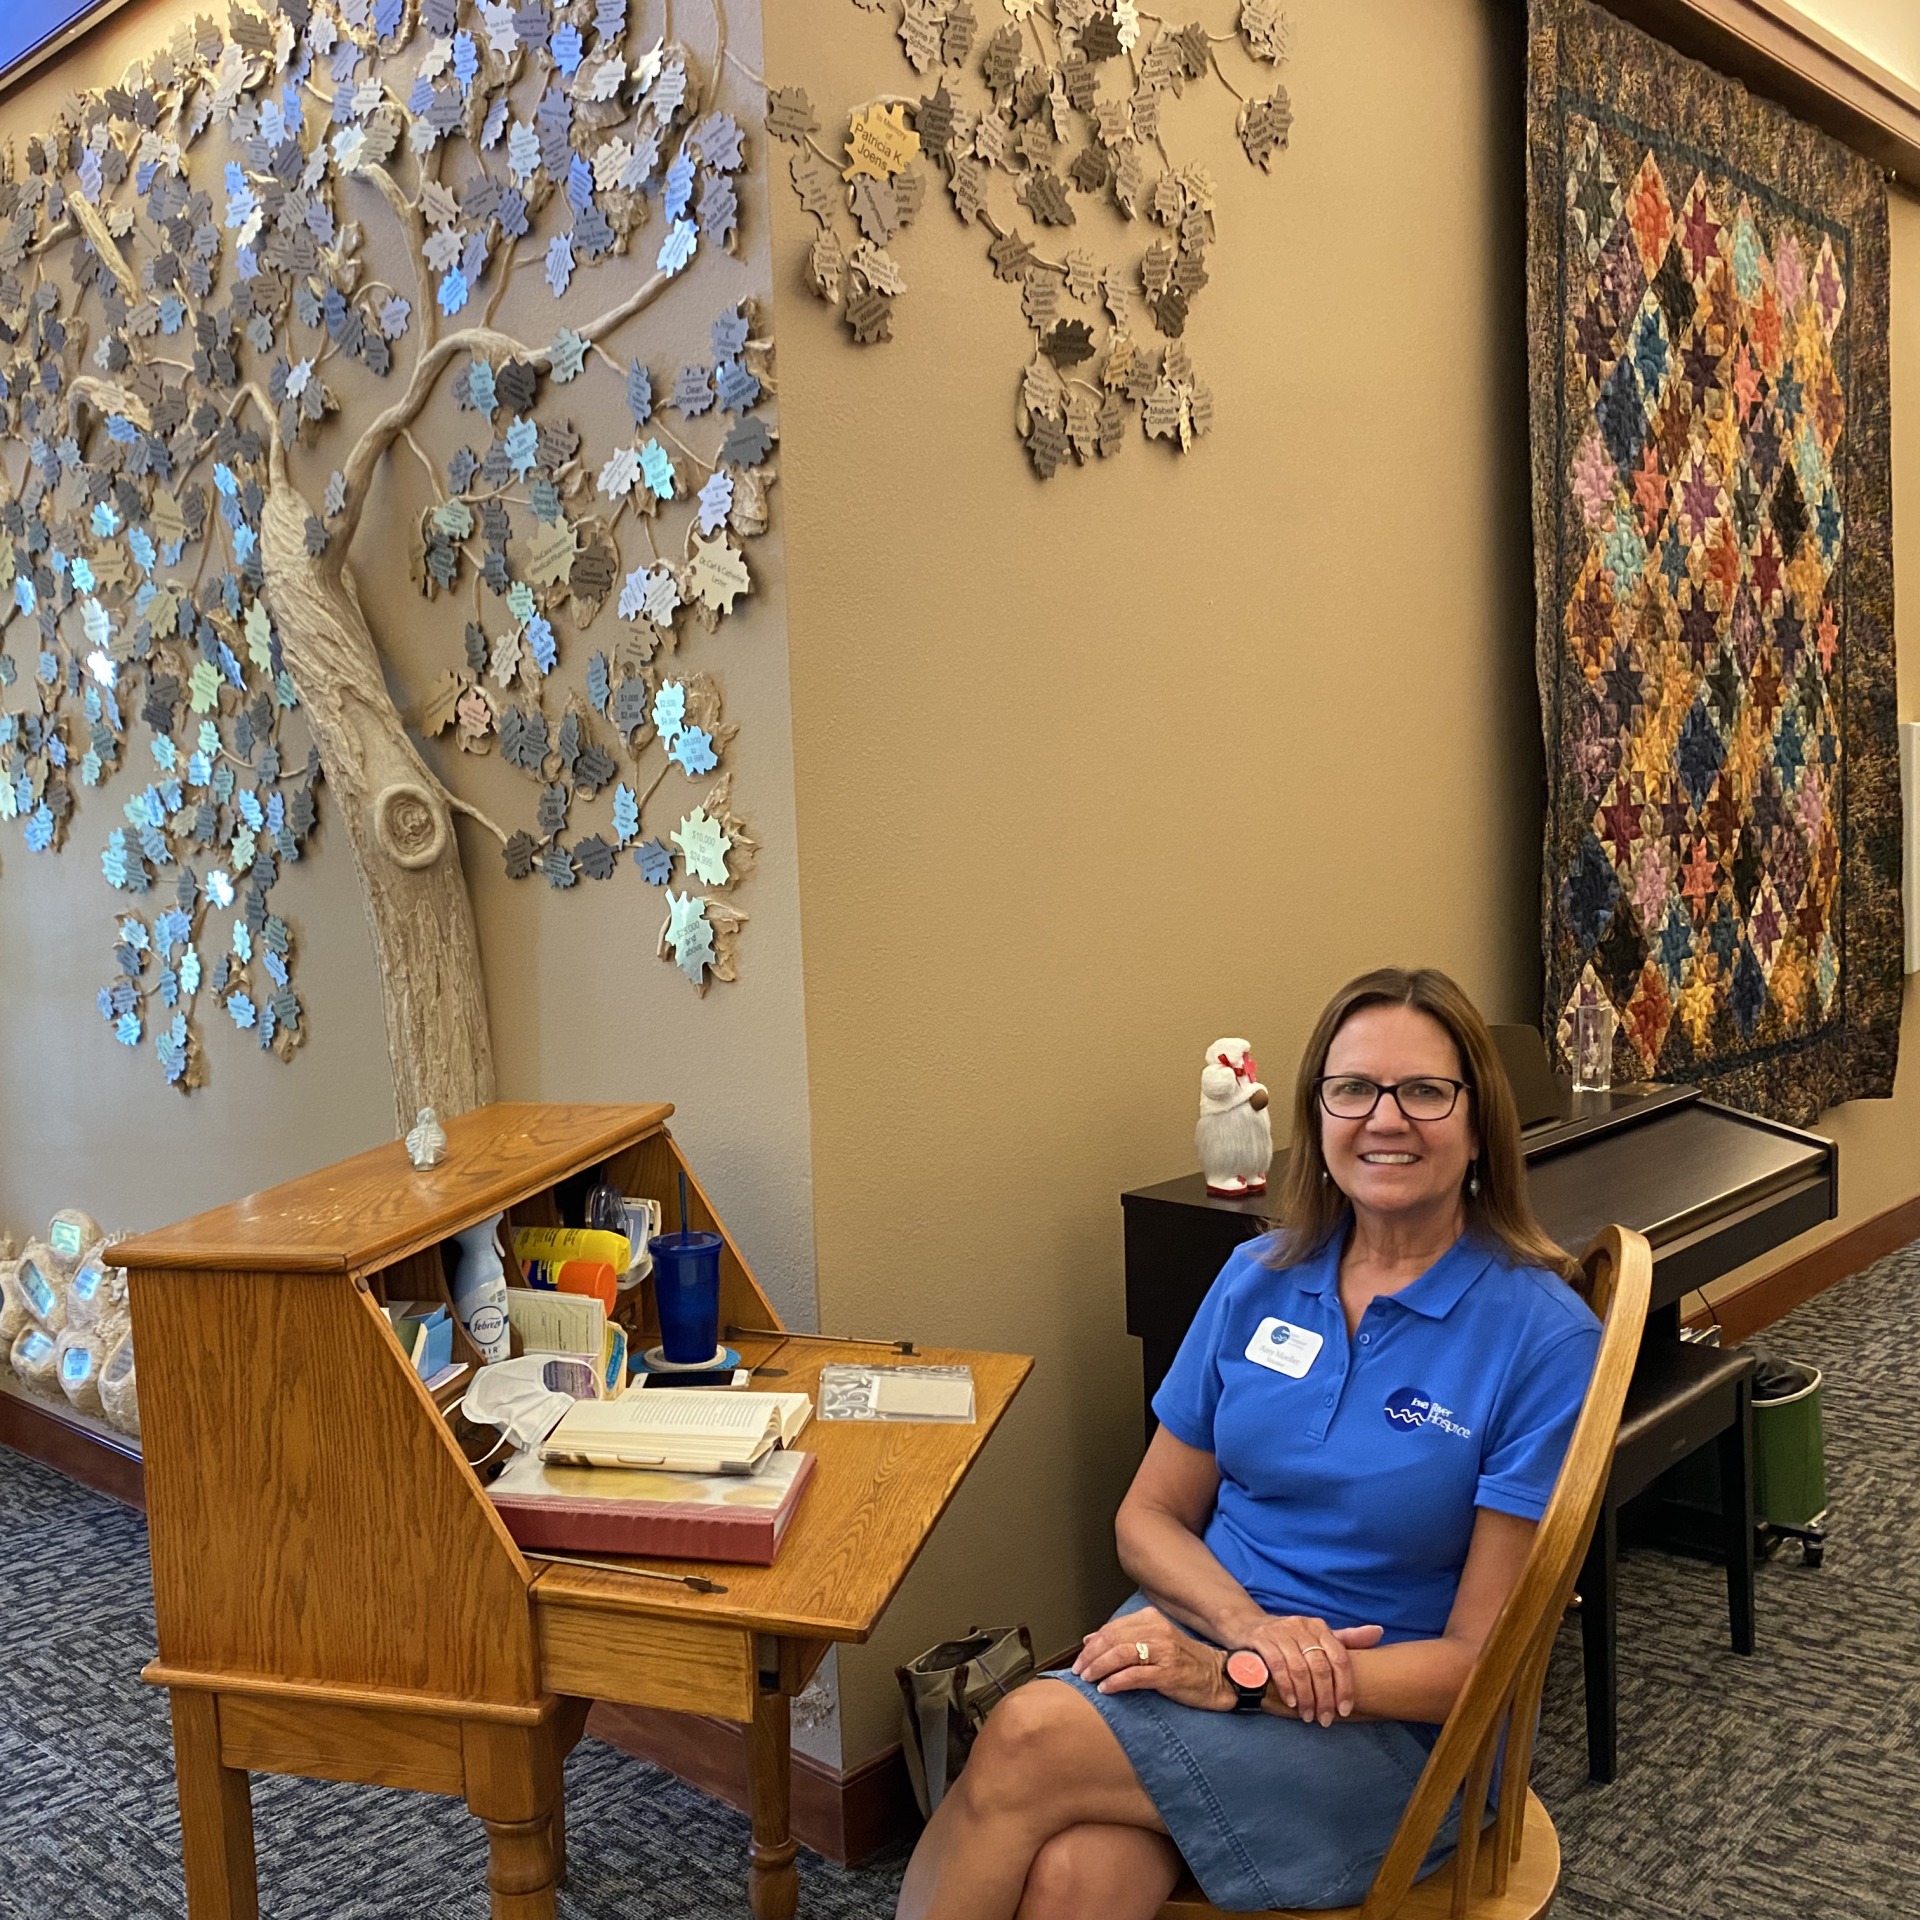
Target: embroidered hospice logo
{"x":1410,"y":1408}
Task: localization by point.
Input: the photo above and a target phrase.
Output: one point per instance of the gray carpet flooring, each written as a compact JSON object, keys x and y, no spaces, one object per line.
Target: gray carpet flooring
{"x":1785,"y":1784}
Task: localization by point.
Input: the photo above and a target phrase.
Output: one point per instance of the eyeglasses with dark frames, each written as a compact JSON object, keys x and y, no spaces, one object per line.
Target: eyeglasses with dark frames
{"x":1350,"y":1096}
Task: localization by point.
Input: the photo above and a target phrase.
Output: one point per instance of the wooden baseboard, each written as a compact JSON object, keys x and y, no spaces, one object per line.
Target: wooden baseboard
{"x":1775,"y":1295}
{"x":847,"y":1816}
{"x":91,"y":1453}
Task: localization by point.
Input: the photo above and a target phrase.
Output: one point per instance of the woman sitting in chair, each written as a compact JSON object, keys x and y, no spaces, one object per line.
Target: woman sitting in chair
{"x":1358,"y":1436}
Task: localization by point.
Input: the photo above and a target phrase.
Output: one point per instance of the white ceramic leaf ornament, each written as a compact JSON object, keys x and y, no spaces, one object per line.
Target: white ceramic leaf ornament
{"x":427,"y":1140}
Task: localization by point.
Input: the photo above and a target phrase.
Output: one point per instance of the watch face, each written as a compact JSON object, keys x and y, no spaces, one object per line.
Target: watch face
{"x":1245,"y":1668}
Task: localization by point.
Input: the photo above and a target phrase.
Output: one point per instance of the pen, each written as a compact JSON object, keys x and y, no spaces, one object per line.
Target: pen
{"x":698,"y":1582}
{"x":824,"y":1339}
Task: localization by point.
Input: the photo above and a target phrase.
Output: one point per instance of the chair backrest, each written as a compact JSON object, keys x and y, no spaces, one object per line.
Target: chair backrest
{"x":1502,"y":1694}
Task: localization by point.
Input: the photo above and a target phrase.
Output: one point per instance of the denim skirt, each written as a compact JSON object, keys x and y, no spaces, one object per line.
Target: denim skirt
{"x":1269,"y":1811}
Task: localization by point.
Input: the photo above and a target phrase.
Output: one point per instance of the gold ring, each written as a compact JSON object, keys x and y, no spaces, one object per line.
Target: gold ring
{"x":1144,"y":1651}
{"x":1316,"y":1648}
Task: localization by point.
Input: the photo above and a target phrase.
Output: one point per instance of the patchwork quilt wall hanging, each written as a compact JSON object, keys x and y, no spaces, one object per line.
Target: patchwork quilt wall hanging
{"x":1708,"y":360}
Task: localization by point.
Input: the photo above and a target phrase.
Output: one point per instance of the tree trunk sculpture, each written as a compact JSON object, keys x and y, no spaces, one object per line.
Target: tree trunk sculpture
{"x":397,"y":822}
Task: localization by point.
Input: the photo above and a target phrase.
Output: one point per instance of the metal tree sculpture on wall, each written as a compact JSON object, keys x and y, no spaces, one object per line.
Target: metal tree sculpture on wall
{"x":192,"y":356}
{"x":1054,"y":111}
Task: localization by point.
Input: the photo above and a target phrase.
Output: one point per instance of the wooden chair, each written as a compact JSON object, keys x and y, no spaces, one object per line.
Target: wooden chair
{"x":1502,"y":1694}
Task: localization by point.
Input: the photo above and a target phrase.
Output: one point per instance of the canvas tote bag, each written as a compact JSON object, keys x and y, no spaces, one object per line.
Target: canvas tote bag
{"x":947,"y":1694}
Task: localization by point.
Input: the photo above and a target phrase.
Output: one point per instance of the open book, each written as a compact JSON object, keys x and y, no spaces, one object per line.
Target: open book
{"x":686,"y":1431}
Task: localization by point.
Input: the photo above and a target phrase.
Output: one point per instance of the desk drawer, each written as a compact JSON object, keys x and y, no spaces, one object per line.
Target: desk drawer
{"x":644,"y":1661}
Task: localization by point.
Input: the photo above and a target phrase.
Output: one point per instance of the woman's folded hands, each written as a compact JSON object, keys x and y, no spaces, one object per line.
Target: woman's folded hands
{"x":1309,"y":1661}
{"x":1146,"y":1650}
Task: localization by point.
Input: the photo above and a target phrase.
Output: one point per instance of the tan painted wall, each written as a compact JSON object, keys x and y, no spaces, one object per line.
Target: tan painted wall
{"x":1092,"y":772}
{"x":581,"y":1008}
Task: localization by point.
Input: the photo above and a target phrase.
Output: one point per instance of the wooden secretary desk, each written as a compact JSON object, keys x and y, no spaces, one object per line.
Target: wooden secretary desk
{"x":336,"y":1597}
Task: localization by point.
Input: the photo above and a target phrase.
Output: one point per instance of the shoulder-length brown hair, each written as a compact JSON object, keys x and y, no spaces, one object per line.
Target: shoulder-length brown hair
{"x":1312,"y":1209}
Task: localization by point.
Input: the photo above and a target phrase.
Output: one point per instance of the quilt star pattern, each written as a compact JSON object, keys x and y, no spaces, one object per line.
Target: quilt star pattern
{"x":1708,"y":346}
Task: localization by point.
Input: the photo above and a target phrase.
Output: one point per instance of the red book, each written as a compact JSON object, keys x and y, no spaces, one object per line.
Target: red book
{"x":638,"y":1510}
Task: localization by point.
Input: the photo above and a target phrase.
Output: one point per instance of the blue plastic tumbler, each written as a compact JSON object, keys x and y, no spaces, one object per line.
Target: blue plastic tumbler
{"x":686,"y":1289}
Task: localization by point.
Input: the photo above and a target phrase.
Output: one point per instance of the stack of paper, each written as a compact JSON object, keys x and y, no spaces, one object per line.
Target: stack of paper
{"x":571,"y":1323}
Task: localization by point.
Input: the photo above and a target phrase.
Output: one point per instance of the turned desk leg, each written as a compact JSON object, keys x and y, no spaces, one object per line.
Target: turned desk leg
{"x":513,"y":1787}
{"x":520,"y":1876}
{"x":773,"y":1882}
{"x":216,"y":1814}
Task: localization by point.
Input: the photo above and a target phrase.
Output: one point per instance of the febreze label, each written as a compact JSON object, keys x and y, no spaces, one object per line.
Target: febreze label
{"x":1284,"y":1348}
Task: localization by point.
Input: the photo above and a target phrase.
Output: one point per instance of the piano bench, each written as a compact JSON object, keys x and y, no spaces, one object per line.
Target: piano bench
{"x":1684,"y":1395}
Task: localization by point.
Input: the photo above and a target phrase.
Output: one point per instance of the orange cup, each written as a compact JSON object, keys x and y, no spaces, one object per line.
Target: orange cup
{"x":595,"y":1277}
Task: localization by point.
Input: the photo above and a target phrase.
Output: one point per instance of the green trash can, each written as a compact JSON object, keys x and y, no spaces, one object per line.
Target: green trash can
{"x":1789,"y":1456}
{"x":1788,"y":1462}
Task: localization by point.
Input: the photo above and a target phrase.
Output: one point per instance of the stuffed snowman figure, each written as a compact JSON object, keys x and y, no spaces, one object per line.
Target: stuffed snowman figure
{"x":1233,"y":1138}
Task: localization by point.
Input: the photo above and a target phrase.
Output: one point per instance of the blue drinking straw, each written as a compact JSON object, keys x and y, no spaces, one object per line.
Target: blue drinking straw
{"x":683,"y":1205}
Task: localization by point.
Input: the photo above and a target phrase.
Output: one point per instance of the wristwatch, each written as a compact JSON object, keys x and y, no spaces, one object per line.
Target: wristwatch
{"x":1248,"y":1675}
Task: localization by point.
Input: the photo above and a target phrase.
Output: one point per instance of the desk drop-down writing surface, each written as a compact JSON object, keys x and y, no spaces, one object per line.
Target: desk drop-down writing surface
{"x":1710,"y":1188}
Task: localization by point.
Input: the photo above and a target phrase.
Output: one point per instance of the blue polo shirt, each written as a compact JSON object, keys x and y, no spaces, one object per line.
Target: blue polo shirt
{"x":1350,"y":1469}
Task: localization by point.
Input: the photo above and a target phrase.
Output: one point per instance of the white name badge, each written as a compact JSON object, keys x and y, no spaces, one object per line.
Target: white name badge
{"x":1284,"y":1348}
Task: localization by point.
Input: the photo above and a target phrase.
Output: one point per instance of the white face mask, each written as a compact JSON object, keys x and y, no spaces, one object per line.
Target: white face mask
{"x":526,"y":1398}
